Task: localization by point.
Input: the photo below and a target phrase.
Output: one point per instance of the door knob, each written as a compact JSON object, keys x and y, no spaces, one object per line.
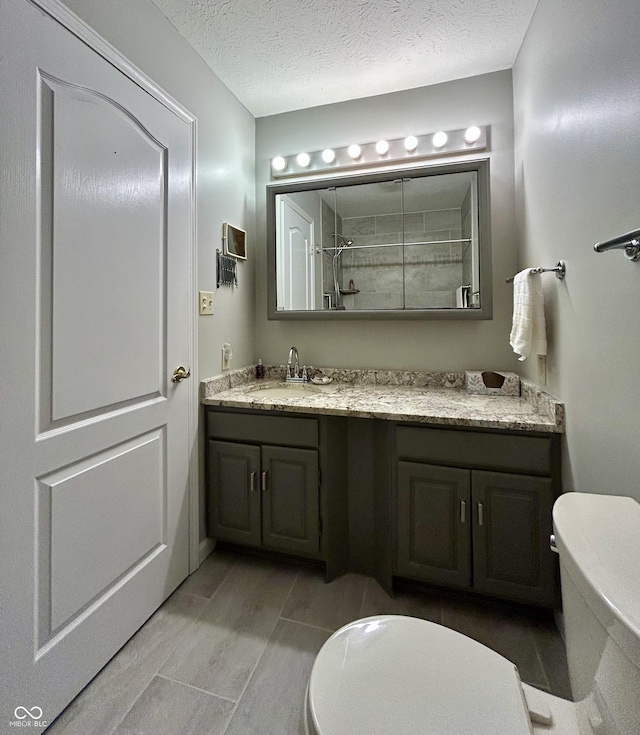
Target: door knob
{"x":179,"y":374}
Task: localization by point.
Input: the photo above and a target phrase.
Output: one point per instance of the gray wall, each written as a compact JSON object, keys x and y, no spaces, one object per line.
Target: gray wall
{"x":422,"y":344}
{"x":577,"y":106}
{"x":225,"y":167}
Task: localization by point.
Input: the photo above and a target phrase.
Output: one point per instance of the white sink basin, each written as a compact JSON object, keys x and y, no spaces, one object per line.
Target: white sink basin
{"x":292,"y":390}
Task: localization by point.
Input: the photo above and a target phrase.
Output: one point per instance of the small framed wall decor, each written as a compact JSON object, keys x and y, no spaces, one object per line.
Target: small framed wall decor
{"x":235,"y":241}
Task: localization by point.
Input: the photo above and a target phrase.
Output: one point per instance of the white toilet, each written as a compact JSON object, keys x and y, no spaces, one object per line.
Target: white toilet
{"x":394,"y":675}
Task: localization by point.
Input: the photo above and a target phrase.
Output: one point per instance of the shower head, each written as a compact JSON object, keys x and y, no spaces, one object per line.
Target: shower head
{"x":347,"y":242}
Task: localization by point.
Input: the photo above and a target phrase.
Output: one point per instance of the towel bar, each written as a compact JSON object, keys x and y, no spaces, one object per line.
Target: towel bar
{"x":560,"y":270}
{"x":629,"y":242}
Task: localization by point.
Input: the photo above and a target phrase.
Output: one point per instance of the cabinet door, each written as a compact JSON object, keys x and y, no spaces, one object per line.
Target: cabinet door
{"x":511,"y":531}
{"x":233,"y":485}
{"x":290,"y":510}
{"x":433,"y":524}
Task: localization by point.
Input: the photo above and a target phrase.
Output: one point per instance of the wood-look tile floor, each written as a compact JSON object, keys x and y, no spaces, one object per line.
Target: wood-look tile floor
{"x":230,"y":652}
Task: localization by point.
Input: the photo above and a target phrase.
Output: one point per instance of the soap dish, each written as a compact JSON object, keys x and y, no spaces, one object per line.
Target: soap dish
{"x":321,"y":380}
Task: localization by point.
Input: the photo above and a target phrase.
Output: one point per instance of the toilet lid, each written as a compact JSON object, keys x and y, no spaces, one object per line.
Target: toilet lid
{"x":394,"y":675}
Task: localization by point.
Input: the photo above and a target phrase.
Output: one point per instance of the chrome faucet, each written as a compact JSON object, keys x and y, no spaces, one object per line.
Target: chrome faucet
{"x":292,"y":363}
{"x":293,"y":368}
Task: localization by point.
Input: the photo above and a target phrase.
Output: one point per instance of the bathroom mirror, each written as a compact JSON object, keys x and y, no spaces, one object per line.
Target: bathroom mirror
{"x":409,"y":243}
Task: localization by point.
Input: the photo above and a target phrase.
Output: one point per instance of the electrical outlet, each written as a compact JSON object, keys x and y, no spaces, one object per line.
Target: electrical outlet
{"x":227,"y":354}
{"x":206,"y":302}
{"x":542,"y":369}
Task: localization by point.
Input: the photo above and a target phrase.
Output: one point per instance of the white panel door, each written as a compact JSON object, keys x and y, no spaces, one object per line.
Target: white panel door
{"x":95,"y":244}
{"x":296,"y":258}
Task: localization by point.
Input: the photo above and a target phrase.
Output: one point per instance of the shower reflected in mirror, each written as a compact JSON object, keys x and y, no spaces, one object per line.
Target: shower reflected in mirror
{"x":413,"y":242}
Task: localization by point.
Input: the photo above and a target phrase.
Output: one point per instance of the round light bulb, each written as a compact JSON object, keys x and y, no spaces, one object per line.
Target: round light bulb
{"x":472,"y":134}
{"x":411,"y":143}
{"x":440,"y":139}
{"x":279,"y":163}
{"x":382,"y":147}
{"x":303,"y":159}
{"x":354,"y":151}
{"x":328,"y":155}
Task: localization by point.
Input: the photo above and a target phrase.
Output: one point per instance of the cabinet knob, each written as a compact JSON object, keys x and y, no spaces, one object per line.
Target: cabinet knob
{"x":463,"y":511}
{"x":264,"y":482}
{"x":252,"y":482}
{"x":480,"y":514}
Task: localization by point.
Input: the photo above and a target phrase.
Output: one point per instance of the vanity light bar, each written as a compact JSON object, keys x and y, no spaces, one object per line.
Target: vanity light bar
{"x":440,"y":143}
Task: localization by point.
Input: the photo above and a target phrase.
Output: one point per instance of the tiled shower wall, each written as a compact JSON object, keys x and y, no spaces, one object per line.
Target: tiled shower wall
{"x":432,"y":273}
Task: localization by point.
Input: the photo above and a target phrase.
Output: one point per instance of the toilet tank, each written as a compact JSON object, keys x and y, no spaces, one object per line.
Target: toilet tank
{"x":598,"y":539}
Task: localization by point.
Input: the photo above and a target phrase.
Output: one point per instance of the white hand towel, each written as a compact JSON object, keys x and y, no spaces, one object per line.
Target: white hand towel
{"x":529,"y":331}
{"x":462,"y":297}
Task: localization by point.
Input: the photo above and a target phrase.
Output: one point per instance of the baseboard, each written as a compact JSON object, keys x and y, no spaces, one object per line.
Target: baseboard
{"x":207,"y":545}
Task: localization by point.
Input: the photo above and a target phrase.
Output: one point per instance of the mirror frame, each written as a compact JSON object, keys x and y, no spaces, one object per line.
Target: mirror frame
{"x":480,"y":166}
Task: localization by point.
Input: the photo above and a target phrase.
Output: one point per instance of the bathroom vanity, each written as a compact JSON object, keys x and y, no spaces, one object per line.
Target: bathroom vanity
{"x":417,"y":481}
{"x":473,"y":510}
{"x":277,"y":482}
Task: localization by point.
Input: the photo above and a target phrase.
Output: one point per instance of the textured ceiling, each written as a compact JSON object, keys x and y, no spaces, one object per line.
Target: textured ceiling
{"x":281,"y":55}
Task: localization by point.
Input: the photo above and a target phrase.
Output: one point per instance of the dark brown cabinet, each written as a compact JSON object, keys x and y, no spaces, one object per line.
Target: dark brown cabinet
{"x":434,"y":543}
{"x":512,"y":524}
{"x":485,"y":531}
{"x":233,"y":492}
{"x":461,"y":508}
{"x":290,"y":508}
{"x":272,"y":479}
{"x":265,"y":496}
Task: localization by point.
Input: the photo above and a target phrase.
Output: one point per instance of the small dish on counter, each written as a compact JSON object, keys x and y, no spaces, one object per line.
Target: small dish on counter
{"x":321,"y":380}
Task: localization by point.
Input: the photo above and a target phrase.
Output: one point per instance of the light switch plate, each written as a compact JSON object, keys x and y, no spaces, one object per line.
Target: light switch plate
{"x":206,"y":302}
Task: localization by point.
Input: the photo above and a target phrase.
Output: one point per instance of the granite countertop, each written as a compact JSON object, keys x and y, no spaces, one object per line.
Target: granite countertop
{"x":420,"y":397}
